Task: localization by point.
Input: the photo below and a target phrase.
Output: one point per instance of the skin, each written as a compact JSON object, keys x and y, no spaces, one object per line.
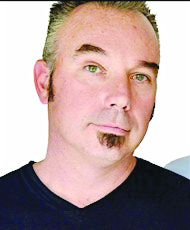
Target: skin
{"x":96,"y":93}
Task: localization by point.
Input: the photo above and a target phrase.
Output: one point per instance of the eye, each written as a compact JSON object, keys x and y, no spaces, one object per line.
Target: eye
{"x":93,"y":69}
{"x":140,"y":77}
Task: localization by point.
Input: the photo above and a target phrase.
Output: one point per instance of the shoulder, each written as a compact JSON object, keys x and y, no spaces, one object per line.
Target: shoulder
{"x":164,"y":191}
{"x":16,"y":172}
{"x":161,"y":179}
{"x":157,"y":171}
{"x":12,"y":182}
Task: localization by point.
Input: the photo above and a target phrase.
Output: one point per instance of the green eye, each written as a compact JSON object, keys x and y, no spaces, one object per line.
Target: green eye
{"x":93,"y":69}
{"x":140,"y":77}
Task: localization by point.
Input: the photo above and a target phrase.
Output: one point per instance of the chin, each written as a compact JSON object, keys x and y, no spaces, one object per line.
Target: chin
{"x":111,"y":155}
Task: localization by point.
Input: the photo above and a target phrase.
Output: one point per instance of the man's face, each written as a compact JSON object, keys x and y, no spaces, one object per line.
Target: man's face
{"x":104,"y":82}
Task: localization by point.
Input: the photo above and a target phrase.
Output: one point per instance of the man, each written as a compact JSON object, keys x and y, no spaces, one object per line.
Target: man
{"x":98,"y":76}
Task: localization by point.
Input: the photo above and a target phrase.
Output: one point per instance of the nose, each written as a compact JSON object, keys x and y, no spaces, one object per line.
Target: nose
{"x":119,"y":96}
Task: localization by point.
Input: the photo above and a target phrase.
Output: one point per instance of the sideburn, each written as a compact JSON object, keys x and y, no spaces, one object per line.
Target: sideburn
{"x":50,"y":89}
{"x":152,"y":112}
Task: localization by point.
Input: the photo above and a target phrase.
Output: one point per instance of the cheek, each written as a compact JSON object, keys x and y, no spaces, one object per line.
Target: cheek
{"x":144,"y":107}
{"x":75,"y":100}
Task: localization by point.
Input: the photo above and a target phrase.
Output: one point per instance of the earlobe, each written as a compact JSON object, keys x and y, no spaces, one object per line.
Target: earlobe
{"x":41,"y":80}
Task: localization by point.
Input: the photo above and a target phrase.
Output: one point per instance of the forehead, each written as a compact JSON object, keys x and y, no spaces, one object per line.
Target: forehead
{"x":107,"y":27}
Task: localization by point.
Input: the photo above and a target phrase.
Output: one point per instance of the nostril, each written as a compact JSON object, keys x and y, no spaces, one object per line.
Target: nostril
{"x":124,"y":107}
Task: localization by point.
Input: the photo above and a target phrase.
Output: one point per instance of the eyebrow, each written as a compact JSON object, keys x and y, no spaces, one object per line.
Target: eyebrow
{"x":150,"y":65}
{"x":88,"y":48}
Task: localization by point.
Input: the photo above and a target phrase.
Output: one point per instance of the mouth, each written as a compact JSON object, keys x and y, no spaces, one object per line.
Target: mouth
{"x":112,"y":129}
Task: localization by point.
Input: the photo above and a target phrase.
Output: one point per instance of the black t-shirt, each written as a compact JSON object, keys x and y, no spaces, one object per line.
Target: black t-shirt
{"x":150,"y":198}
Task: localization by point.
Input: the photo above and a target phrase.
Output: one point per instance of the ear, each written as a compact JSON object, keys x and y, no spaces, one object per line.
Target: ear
{"x":41,"y":80}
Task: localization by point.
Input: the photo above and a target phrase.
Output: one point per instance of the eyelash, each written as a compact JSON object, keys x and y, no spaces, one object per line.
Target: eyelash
{"x":93,"y":66}
{"x":146,"y":77}
{"x":101,"y":70}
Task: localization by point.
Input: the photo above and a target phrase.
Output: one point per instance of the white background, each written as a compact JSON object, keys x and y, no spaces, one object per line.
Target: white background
{"x":23,"y":119}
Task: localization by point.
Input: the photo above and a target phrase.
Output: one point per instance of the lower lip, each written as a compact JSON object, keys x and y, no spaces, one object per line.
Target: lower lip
{"x":112,"y":130}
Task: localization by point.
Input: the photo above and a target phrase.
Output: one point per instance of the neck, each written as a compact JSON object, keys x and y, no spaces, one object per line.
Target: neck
{"x":79,"y":181}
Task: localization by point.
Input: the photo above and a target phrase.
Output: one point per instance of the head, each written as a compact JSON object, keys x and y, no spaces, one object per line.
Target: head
{"x":61,"y":10}
{"x":98,"y":76}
